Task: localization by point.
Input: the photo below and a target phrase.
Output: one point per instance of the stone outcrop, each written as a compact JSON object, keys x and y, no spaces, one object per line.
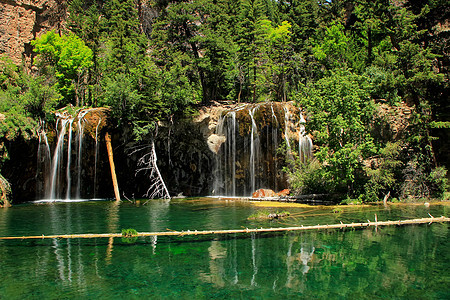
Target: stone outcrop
{"x":5,"y":192}
{"x":393,"y":121}
{"x":22,"y":21}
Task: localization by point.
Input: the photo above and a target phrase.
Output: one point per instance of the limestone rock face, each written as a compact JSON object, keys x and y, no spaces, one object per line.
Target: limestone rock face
{"x":215,"y":141}
{"x":23,"y":20}
{"x":393,"y":121}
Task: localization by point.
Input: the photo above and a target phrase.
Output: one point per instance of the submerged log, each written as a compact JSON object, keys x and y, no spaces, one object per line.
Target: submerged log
{"x":233,"y":231}
{"x":111,"y":164}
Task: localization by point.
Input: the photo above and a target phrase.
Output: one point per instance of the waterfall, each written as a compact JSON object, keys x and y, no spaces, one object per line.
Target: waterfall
{"x":218,"y":184}
{"x":60,"y":184}
{"x":304,"y":141}
{"x":254,"y":149}
{"x":286,"y":127}
{"x":274,"y":144}
{"x":80,"y":128}
{"x":248,"y":158}
{"x":233,"y":151}
{"x":57,"y":156}
{"x":69,"y":159}
{"x":96,"y":157}
{"x":43,"y":160}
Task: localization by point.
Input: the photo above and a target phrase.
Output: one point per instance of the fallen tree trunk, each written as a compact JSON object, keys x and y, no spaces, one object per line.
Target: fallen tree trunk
{"x":111,"y":164}
{"x":232,"y":231}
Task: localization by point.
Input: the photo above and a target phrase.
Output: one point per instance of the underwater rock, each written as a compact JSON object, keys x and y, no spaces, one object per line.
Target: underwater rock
{"x":277,"y":215}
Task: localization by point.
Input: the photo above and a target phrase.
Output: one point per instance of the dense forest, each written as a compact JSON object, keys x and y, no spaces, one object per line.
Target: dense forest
{"x":338,"y":60}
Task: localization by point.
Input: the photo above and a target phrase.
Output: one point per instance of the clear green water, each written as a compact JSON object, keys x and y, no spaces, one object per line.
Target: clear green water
{"x":410,"y":262}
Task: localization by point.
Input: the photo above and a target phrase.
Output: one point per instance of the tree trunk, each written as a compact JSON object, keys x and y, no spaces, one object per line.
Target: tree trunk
{"x":111,"y":164}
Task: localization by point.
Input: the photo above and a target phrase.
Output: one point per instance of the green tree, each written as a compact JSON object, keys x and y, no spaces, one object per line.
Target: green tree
{"x":85,"y":20}
{"x":67,"y":58}
{"x":125,"y":45}
{"x":340,"y":112}
{"x":279,"y":50}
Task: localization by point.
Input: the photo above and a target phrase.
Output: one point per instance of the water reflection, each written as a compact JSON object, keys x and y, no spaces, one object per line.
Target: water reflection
{"x":113,"y":224}
{"x":392,"y":262}
{"x":278,"y":261}
{"x":288,"y":264}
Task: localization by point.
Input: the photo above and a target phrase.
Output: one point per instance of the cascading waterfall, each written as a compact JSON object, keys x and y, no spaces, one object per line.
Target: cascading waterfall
{"x":248,"y":157}
{"x":60,"y":184}
{"x":80,"y":128}
{"x":274,"y":144}
{"x":43,"y":159}
{"x":96,"y":157}
{"x":287,"y":118}
{"x":304,"y":141}
{"x":69,"y":159}
{"x":57,"y":156}
{"x":254,"y":149}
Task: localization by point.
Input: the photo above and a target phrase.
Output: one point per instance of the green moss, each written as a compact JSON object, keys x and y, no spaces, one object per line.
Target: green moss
{"x":129,"y":236}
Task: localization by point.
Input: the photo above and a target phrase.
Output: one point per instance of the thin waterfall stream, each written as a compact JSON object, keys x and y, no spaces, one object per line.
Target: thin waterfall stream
{"x":59,"y":185}
{"x":249,"y":158}
{"x":96,"y":157}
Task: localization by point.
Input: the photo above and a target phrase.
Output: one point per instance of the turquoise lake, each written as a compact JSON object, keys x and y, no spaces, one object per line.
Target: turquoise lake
{"x":408,"y":262}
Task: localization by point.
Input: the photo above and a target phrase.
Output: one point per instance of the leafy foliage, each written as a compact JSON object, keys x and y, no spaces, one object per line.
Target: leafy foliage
{"x":68,"y":59}
{"x":152,"y":61}
{"x":308,"y":177}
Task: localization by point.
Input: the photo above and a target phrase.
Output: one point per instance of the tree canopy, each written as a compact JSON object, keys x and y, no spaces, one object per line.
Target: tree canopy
{"x":155,"y":60}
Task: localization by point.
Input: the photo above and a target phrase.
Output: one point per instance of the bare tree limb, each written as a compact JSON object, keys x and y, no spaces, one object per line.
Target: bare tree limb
{"x":147,"y":164}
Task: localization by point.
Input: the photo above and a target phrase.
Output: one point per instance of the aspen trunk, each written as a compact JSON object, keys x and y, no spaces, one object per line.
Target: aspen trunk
{"x":111,"y":164}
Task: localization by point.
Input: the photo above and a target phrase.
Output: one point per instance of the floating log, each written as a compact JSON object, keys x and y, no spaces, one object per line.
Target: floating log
{"x":233,"y":231}
{"x":111,"y":164}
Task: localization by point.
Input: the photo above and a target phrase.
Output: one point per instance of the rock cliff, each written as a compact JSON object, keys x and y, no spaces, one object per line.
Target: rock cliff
{"x":23,"y":20}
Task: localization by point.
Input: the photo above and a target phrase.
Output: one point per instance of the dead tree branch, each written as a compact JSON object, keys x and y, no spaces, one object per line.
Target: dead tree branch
{"x":147,"y":164}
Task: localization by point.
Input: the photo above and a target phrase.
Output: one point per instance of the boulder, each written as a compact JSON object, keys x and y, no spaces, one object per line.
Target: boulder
{"x":284,"y":193}
{"x":215,"y":141}
{"x":264,"y":193}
